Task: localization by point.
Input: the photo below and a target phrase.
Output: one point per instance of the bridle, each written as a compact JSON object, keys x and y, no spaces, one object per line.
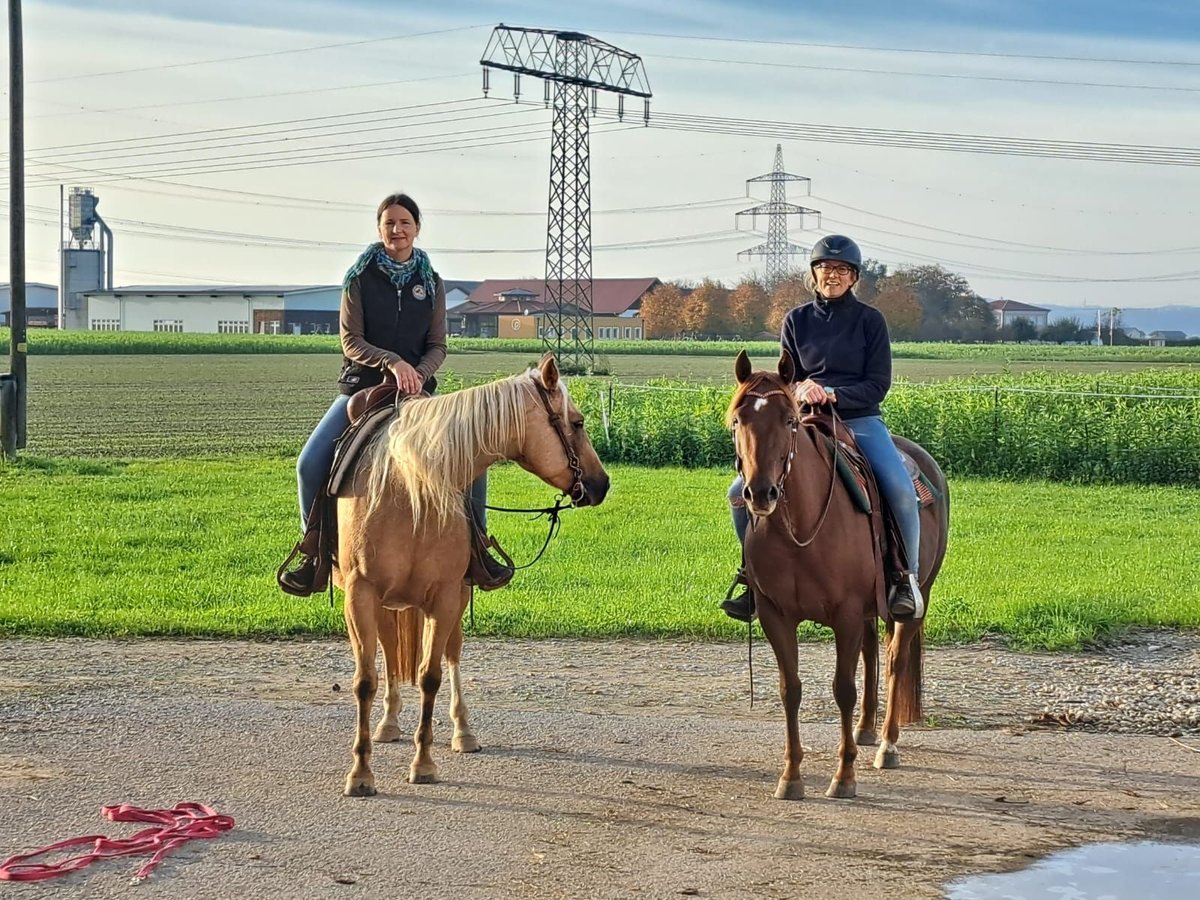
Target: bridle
{"x":577,"y":491}
{"x":787,"y":470}
{"x":566,"y":499}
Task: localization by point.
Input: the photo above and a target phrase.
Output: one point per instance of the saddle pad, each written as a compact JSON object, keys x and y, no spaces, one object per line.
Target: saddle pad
{"x":349,"y":446}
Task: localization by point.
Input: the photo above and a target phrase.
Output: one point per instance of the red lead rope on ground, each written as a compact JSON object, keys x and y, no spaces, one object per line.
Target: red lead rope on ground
{"x":176,"y":826}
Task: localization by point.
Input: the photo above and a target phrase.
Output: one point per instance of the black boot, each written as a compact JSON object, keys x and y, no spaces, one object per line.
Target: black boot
{"x":740,"y":607}
{"x":906,"y":602}
{"x":300,"y":580}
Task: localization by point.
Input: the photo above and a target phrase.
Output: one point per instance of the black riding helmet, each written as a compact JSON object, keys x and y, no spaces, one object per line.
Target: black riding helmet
{"x":837,"y":248}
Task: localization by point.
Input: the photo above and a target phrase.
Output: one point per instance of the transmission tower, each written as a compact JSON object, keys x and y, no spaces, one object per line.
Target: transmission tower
{"x":574,"y":64}
{"x":778,"y":250}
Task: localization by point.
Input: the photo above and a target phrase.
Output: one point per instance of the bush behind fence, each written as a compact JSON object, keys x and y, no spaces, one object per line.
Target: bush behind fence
{"x":1141,"y":429}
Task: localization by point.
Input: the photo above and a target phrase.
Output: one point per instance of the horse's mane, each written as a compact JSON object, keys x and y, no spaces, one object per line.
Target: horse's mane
{"x":759,"y":382}
{"x":429,"y":449}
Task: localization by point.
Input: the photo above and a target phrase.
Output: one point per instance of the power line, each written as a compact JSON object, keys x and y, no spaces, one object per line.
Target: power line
{"x":226,"y":59}
{"x":948,"y":75}
{"x":1019,"y":245}
{"x":916,"y":50}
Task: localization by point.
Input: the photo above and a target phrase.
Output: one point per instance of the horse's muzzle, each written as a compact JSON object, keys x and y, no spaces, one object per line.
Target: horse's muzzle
{"x":761,"y":501}
{"x":595,"y":489}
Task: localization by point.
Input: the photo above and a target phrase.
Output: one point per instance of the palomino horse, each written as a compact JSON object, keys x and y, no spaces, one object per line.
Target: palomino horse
{"x":809,"y":556}
{"x":403,"y":545}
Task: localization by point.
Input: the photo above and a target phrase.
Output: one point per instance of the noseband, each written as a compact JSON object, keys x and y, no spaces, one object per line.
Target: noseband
{"x":577,"y":491}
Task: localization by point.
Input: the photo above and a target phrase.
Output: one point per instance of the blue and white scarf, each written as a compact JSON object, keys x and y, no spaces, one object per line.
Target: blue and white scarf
{"x":398,"y":273}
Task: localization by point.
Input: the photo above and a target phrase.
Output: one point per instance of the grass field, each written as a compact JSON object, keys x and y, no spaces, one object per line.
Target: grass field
{"x":189,"y":547}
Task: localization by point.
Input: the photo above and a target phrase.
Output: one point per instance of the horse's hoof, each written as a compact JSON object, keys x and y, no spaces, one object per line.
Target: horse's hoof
{"x":464,"y":743}
{"x":790,"y":790}
{"x":887,"y":757}
{"x":841,"y":790}
{"x":386,"y":734}
{"x":422,"y":777}
{"x":359,"y":787}
{"x":866,"y":737}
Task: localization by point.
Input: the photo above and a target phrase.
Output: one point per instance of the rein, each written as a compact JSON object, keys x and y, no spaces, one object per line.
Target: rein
{"x":828,"y":498}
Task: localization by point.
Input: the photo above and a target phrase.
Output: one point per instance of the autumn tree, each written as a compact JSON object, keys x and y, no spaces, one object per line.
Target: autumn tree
{"x":871,"y":278}
{"x":787,"y":295}
{"x":704,"y":308}
{"x":749,"y":306}
{"x":950,"y":309}
{"x":900,"y":306}
{"x":661,"y":310}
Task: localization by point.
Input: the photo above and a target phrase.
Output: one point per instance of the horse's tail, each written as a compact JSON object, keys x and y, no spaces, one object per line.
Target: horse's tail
{"x":906,"y":663}
{"x":410,"y":628}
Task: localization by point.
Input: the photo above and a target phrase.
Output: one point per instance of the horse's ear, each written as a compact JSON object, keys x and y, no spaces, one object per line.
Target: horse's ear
{"x":787,"y":367}
{"x":548,"y":368}
{"x":741,"y":367}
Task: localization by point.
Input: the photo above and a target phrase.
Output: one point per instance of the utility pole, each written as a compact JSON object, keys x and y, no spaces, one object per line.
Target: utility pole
{"x":576,"y":65}
{"x":777,"y":249}
{"x":13,"y":384}
{"x":1113,"y":315}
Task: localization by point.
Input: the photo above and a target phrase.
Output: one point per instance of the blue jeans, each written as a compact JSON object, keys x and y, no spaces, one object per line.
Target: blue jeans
{"x":316,"y":459}
{"x":891,"y":475}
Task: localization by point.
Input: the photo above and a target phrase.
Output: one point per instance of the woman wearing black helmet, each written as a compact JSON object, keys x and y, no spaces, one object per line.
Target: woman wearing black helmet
{"x":843,"y":357}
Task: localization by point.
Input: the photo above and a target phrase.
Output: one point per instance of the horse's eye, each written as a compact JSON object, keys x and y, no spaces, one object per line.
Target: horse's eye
{"x":578,"y":426}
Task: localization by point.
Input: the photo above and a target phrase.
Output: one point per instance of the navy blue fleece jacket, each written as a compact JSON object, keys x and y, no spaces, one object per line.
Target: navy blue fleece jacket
{"x":844,"y":345}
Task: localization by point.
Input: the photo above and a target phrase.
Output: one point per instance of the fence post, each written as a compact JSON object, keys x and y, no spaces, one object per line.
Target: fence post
{"x":995,"y":430}
{"x":8,"y":416}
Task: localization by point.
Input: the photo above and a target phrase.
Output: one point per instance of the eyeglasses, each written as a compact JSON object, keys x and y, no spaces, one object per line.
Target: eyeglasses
{"x":834,"y":268}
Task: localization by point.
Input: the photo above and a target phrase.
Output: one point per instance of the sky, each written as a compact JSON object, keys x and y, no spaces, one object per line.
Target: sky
{"x":250,"y":142}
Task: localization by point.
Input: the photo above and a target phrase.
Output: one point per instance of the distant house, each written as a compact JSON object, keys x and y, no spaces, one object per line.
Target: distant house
{"x":519,"y":308}
{"x":1162,"y":338}
{"x":41,"y":305}
{"x":1008,"y":311}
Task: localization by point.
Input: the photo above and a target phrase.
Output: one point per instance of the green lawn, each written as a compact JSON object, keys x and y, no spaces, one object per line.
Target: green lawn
{"x":189,"y":547}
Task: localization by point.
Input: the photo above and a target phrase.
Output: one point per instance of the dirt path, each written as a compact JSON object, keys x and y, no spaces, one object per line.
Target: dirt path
{"x":611,"y":769}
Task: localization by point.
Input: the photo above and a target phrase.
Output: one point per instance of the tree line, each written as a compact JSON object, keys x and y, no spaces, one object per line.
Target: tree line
{"x":920,"y":303}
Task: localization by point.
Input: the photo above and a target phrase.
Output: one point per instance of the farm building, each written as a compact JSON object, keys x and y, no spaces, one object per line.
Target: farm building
{"x":518,"y":308}
{"x":41,"y":304}
{"x":1008,"y":311}
{"x":226,"y":309}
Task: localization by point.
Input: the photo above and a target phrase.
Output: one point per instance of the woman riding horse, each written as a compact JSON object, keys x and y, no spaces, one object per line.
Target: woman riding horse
{"x":392,"y":323}
{"x":843,"y":358}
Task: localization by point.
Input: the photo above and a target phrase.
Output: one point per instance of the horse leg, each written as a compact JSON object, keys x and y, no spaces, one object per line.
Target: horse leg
{"x":849,"y":640}
{"x":388,"y":729}
{"x":463,"y":741}
{"x":783,"y":642}
{"x":864,"y":734}
{"x":362,"y":625}
{"x":903,"y":689}
{"x":439,"y":622}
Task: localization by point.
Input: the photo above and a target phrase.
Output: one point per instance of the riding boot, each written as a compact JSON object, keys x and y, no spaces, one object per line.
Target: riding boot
{"x":485,"y":571}
{"x":906,"y":602}
{"x":302,"y":580}
{"x":740,"y":607}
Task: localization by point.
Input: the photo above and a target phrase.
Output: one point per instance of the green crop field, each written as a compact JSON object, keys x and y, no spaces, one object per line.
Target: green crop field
{"x":1122,"y":427}
{"x":189,"y":547}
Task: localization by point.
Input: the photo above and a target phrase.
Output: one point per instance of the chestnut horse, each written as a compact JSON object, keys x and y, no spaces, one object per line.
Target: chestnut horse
{"x":403,"y":544}
{"x":809,"y":555}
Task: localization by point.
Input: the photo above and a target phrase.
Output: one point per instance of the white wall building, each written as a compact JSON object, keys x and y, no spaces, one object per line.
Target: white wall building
{"x":216,"y":309}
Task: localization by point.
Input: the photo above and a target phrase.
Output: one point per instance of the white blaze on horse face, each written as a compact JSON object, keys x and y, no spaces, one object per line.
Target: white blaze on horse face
{"x":760,"y":404}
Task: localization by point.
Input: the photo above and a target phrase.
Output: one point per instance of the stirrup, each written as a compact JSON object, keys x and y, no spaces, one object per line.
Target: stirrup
{"x":485,"y":571}
{"x":740,"y":607}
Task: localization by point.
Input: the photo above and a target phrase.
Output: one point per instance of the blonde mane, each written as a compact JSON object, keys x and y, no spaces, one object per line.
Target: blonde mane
{"x":429,"y":450}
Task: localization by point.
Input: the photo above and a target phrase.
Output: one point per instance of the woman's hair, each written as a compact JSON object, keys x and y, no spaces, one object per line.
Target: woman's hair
{"x":399,"y":200}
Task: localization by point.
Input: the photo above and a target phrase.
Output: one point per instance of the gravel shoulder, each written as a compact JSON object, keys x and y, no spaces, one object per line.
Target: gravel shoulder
{"x":610,"y":769}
